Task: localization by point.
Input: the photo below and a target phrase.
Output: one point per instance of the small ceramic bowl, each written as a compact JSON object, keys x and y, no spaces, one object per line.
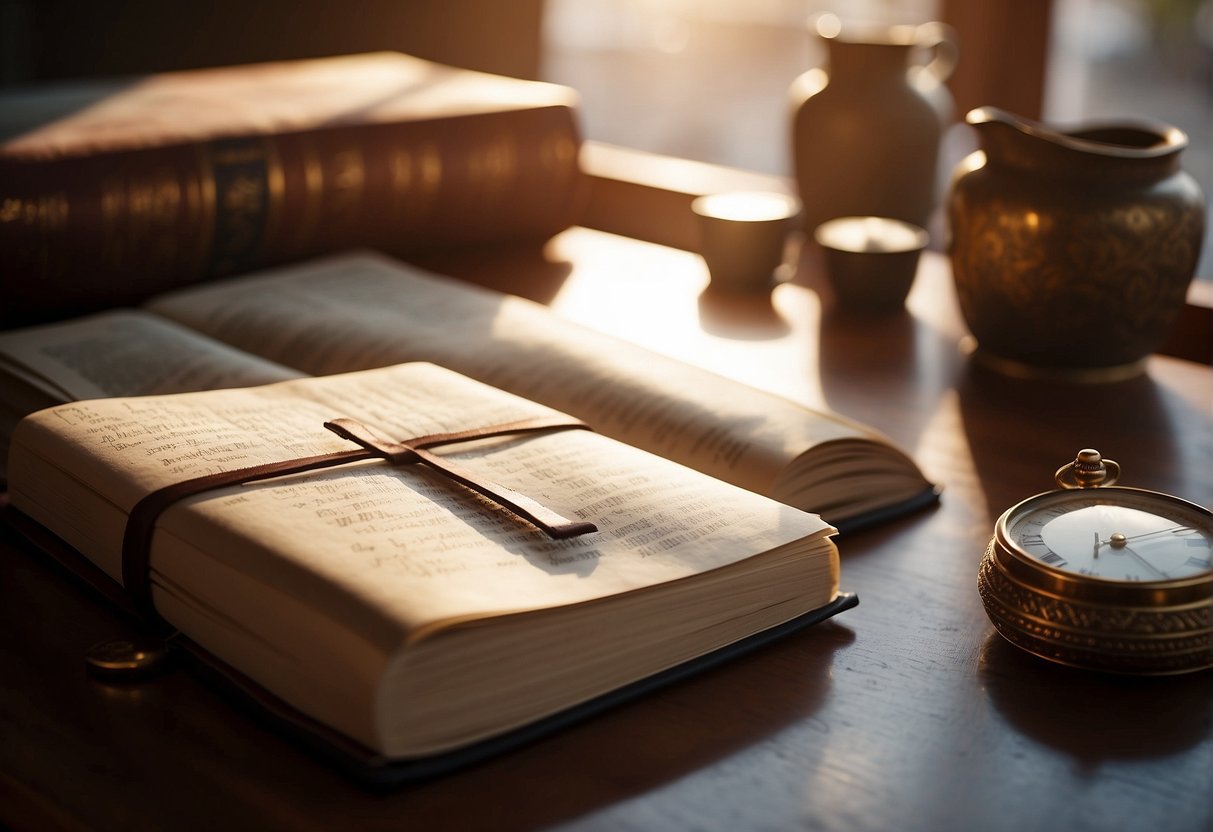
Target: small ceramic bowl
{"x":743,"y":237}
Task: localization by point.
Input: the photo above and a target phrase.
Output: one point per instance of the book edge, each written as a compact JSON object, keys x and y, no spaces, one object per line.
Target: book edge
{"x":368,"y":768}
{"x":923,"y":500}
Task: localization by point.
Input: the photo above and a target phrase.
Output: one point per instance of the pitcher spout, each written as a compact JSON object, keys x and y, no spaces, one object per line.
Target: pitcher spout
{"x":1021,"y":142}
{"x":982,"y":117}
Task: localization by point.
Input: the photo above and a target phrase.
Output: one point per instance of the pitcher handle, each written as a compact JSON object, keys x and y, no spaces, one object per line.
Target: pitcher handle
{"x":941,"y":43}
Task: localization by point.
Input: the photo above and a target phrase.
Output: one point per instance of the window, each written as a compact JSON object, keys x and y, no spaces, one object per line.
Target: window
{"x":708,"y":79}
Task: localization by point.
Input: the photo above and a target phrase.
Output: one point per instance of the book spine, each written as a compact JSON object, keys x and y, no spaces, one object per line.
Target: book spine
{"x":115,"y":228}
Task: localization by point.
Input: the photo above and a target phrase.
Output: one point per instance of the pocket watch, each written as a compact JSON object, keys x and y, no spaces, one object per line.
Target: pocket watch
{"x":1103,"y":577}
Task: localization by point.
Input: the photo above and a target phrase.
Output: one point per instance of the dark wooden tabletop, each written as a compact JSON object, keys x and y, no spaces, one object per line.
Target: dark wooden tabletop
{"x":906,"y":713}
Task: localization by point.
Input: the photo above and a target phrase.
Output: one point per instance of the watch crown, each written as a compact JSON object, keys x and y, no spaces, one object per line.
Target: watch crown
{"x":1088,"y":470}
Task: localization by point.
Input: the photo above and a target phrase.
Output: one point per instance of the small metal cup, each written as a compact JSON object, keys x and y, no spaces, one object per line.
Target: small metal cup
{"x":870,"y":262}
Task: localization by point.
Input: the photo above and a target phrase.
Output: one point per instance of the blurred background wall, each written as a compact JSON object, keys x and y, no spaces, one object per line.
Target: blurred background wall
{"x":708,"y":79}
{"x":48,"y":39}
{"x":701,"y":79}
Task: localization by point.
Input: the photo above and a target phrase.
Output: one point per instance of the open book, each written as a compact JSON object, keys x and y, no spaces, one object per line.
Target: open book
{"x":362,"y":310}
{"x":414,"y":613}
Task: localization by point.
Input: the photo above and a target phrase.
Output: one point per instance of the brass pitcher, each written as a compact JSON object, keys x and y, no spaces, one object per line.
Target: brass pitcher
{"x":1072,"y":251}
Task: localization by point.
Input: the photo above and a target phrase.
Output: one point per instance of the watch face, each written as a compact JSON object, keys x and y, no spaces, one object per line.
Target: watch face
{"x":1115,"y":534}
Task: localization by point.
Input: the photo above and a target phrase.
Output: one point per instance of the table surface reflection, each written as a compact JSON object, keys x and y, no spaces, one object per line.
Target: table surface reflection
{"x":907,"y":712}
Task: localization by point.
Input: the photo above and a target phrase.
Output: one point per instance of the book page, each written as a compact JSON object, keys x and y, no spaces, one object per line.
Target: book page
{"x":124,"y":353}
{"x":360,"y":311}
{"x":394,"y":549}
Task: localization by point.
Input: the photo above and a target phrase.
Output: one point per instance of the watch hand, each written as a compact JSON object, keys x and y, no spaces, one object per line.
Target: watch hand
{"x":1145,"y":562}
{"x":1122,"y":539}
{"x":1095,"y":553}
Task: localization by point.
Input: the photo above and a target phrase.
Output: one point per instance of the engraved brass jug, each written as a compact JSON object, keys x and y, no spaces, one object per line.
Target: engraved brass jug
{"x":1072,"y":251}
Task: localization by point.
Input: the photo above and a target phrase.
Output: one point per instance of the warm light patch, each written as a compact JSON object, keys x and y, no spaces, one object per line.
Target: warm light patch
{"x":870,"y":234}
{"x":747,"y":206}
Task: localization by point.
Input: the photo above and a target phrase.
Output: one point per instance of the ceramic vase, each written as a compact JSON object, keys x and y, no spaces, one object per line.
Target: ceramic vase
{"x":866,"y":127}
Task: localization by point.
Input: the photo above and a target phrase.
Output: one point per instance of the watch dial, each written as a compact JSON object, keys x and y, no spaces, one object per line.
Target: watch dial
{"x":1121,"y":536}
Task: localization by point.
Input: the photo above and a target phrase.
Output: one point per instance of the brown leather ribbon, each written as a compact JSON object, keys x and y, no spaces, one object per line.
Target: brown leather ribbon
{"x":140,"y":526}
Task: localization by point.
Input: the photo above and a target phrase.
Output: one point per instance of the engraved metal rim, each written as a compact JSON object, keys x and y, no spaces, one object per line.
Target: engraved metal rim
{"x":1186,"y":622}
{"x":1195,"y":590}
{"x":1111,"y":652}
{"x":1163,"y":665}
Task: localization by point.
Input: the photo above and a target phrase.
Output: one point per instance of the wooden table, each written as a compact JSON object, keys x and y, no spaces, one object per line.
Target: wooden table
{"x":906,"y":713}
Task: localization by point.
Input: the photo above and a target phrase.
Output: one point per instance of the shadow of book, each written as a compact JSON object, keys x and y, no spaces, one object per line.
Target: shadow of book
{"x":636,"y":748}
{"x":523,"y":268}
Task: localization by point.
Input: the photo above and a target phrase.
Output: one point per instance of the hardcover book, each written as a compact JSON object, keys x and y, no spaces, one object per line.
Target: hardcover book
{"x":111,"y":191}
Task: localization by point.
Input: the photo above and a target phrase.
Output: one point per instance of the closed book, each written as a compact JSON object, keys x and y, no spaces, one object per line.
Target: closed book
{"x":113,"y":191}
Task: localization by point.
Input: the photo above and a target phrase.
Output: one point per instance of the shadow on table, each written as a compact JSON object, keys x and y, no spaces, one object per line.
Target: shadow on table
{"x":745,"y":317}
{"x":182,"y":743}
{"x":889,"y":371}
{"x":1096,"y":717}
{"x":642,"y":746}
{"x":523,"y":269}
{"x":1033,"y":427}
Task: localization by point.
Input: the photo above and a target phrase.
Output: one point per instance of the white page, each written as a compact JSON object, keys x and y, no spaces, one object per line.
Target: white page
{"x":359,"y":311}
{"x":404,"y":541}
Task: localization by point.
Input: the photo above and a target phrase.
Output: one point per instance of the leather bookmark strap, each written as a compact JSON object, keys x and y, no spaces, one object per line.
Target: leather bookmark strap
{"x":140,"y":526}
{"x":403,"y":453}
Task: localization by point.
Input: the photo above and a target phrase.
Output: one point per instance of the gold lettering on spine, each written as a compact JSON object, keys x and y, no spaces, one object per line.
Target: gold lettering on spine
{"x":242,"y":202}
{"x":242,"y":206}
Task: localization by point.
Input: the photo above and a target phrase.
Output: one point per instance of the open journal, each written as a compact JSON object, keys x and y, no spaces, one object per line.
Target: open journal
{"x":363,"y":310}
{"x":412,"y":611}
